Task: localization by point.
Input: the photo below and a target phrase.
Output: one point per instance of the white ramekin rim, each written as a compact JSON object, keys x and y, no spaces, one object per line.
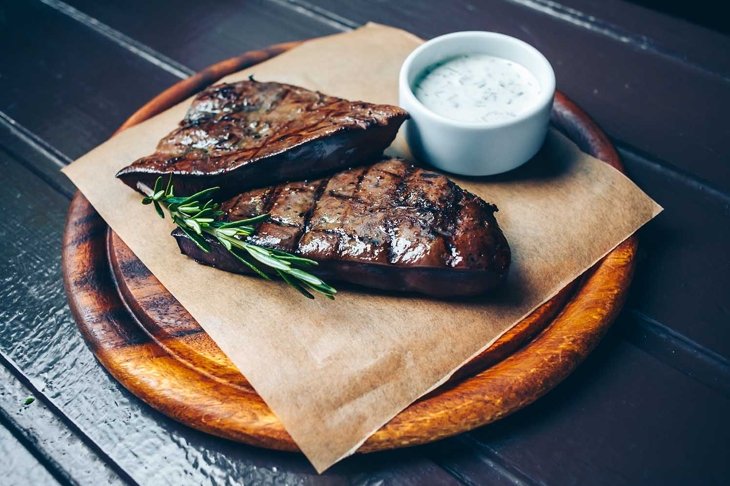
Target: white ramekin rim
{"x":546,"y":95}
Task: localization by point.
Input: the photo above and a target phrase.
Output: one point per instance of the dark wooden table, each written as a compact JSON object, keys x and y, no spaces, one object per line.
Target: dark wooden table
{"x":649,"y":406}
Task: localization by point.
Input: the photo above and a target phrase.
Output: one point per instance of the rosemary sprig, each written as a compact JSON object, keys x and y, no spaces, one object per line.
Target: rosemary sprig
{"x":199,"y":215}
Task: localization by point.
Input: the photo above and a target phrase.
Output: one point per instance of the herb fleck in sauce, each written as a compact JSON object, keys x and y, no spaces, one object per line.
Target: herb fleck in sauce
{"x":477,"y":88}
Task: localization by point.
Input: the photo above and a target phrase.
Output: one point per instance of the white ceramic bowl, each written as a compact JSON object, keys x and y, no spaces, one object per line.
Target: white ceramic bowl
{"x":476,"y":148}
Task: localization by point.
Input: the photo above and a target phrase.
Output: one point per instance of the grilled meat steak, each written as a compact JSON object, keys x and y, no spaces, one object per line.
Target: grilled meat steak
{"x":253,"y":134}
{"x":389,"y":226}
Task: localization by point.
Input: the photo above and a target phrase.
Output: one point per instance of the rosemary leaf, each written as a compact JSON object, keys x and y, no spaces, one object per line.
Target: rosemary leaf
{"x":226,"y":243}
{"x":159,"y":209}
{"x":286,"y":278}
{"x":250,"y":265}
{"x":245,"y":222}
{"x":198,"y":196}
{"x":197,"y":239}
{"x":266,"y":259}
{"x":193,"y":224}
{"x":306,"y":277}
{"x":226,"y":231}
{"x":197,"y":215}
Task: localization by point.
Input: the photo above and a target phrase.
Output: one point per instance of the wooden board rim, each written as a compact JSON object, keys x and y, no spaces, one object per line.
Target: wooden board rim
{"x":487,"y":396}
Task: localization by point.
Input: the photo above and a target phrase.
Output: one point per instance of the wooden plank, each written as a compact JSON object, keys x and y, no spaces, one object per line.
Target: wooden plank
{"x":405,"y":467}
{"x":18,"y":465}
{"x":708,"y":13}
{"x":648,"y":29}
{"x":197,"y":35}
{"x":622,"y":418}
{"x":69,"y":85}
{"x":59,"y":453}
{"x":654,"y":103}
{"x":675,"y":350}
{"x":683,"y":274}
{"x":39,"y":157}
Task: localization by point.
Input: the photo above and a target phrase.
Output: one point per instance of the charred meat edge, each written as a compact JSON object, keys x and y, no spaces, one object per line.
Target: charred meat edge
{"x":450,"y":242}
{"x":253,"y":134}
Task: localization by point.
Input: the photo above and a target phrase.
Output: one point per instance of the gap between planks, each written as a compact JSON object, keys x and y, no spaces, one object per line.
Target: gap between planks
{"x":550,"y":8}
{"x":671,"y":172}
{"x":53,"y":467}
{"x":142,"y":50}
{"x":674,"y":349}
{"x":592,"y":24}
{"x":485,"y":455}
{"x":318,"y":13}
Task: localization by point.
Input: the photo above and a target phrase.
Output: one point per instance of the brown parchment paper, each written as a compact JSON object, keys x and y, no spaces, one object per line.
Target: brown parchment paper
{"x":335,"y":372}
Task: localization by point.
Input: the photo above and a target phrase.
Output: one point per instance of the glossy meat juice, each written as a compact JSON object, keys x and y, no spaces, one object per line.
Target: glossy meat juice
{"x":389,"y":226}
{"x":253,"y":134}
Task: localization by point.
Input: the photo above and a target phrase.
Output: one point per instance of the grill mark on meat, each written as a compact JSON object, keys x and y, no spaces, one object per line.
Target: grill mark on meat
{"x":359,"y":182}
{"x":270,"y":198}
{"x":283,"y":133}
{"x":390,"y":224}
{"x":281,"y":129}
{"x":250,"y":134}
{"x":449,"y":223}
{"x":366,"y":230}
{"x":280,"y":230}
{"x":418,"y":226}
{"x":449,"y":243}
{"x":248,"y":204}
{"x":317,"y":195}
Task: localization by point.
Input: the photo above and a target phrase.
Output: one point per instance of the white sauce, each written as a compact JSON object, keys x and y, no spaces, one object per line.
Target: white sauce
{"x":477,"y":88}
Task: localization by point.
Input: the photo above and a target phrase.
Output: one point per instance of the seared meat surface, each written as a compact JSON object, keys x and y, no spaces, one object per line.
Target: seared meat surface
{"x":252,"y":134}
{"x":389,"y":226}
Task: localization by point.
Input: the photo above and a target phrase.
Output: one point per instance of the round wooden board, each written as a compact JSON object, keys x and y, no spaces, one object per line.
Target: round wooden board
{"x":149,"y":342}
